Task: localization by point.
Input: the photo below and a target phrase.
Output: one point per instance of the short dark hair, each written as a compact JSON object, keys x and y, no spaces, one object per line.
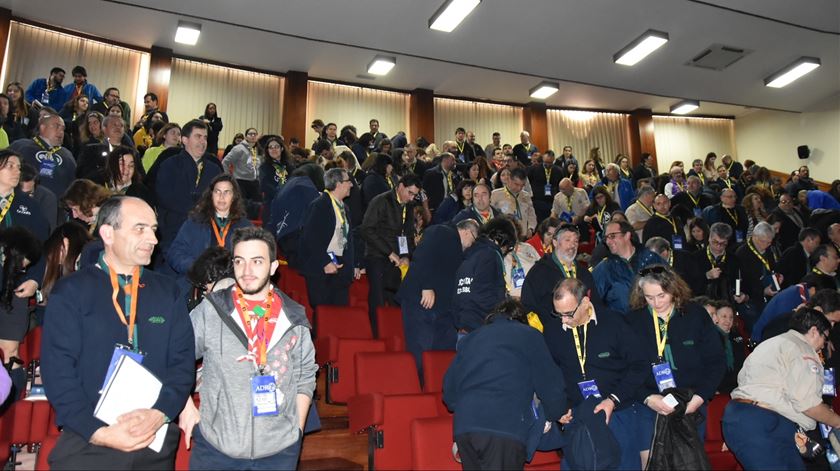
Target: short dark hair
{"x":6,"y":154}
{"x":28,"y":173}
{"x":500,"y":230}
{"x":109,"y":212}
{"x":460,"y":130}
{"x":187,"y":129}
{"x":808,"y":233}
{"x":411,"y":179}
{"x":321,"y":145}
{"x":373,"y":120}
{"x":56,"y":70}
{"x":109,"y":90}
{"x":509,"y":308}
{"x":151,"y":95}
{"x":212,"y":265}
{"x":827,"y":299}
{"x":623,"y":226}
{"x":518,"y":173}
{"x":79,"y":70}
{"x":820,"y":252}
{"x":805,"y":317}
{"x":245,"y":234}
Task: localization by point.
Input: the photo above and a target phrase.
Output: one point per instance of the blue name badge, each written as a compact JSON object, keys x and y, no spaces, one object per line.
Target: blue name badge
{"x":589,"y":388}
{"x":547,"y":189}
{"x":697,"y":212}
{"x":119,"y":351}
{"x":677,"y":242}
{"x":828,"y":382}
{"x":566,"y":216}
{"x":333,"y":258}
{"x":264,"y":395}
{"x":462,"y":158}
{"x":47,"y":168}
{"x":518,"y":277}
{"x":739,"y":236}
{"x":663,"y":376}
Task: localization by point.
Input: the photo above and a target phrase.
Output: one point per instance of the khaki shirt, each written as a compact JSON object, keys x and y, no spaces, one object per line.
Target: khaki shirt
{"x":575,"y":205}
{"x":785,"y":374}
{"x":636,"y":213}
{"x":504,"y":201}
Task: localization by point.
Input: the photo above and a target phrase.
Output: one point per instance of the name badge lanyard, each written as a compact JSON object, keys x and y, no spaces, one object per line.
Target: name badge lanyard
{"x":220,"y":236}
{"x":131,"y":295}
{"x":580,"y":348}
{"x":712,"y":258}
{"x":732,"y":216}
{"x":568,"y":271}
{"x":662,"y":337}
{"x":760,"y":257}
{"x":254,"y":159}
{"x":200,"y":165}
{"x":670,"y":221}
{"x":449,"y":183}
{"x":50,"y":150}
{"x":259,"y":333}
{"x":547,"y":175}
{"x":515,"y":200}
{"x":339,"y":213}
{"x":6,"y":210}
{"x":695,"y":201}
{"x":647,"y":210}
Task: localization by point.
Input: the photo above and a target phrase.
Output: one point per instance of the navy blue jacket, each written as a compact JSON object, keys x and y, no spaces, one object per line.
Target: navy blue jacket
{"x":480,"y":286}
{"x":26,"y":212}
{"x":614,"y":276}
{"x":434,"y":265}
{"x":447,"y":210}
{"x":56,"y":180}
{"x":470,"y":213}
{"x":695,"y":345}
{"x":270,"y":184}
{"x":79,"y":339}
{"x":288,"y":209}
{"x":315,"y":236}
{"x":491,"y":382}
{"x":177,"y":191}
{"x":614,"y":357}
{"x":192,"y":240}
{"x":542,"y":278}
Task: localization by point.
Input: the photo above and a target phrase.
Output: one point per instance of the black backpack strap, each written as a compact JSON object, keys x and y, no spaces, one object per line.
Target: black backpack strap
{"x":230,"y":323}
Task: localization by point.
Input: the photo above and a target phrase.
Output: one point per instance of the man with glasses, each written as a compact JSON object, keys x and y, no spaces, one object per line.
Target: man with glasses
{"x":727,"y":212}
{"x":56,"y":165}
{"x":717,"y":266}
{"x":756,"y":262}
{"x":600,"y":356}
{"x":515,"y":202}
{"x":615,"y":274}
{"x":388,"y":232}
{"x":793,"y":220}
{"x":780,"y":389}
{"x":552,"y":268}
{"x":426,"y":293}
{"x":326,"y":243}
{"x":111,"y":97}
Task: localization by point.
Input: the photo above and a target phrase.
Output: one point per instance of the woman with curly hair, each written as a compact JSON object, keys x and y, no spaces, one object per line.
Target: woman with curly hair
{"x":83,"y":199}
{"x":219,"y":212}
{"x":121,"y":175}
{"x":679,"y":339}
{"x":754,"y":207}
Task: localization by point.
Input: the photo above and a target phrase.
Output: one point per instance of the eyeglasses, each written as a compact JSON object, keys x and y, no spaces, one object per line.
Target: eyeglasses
{"x":567,"y":315}
{"x":345,"y":181}
{"x":719,"y":243}
{"x":251,"y":134}
{"x":653,"y":270}
{"x":274,"y":147}
{"x":613,"y":235}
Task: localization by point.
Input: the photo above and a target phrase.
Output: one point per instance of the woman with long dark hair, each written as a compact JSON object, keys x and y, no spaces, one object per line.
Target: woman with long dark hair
{"x":214,"y":127}
{"x":24,"y":114}
{"x":453,"y":203}
{"x":378,"y":180}
{"x":61,"y":253}
{"x":122,"y":175}
{"x":599,"y":213}
{"x":275,"y":168}
{"x":7,"y":118}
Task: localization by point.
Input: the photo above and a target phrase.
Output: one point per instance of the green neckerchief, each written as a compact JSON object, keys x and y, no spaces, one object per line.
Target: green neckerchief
{"x":727,"y":348}
{"x":221,"y":222}
{"x":561,"y":266}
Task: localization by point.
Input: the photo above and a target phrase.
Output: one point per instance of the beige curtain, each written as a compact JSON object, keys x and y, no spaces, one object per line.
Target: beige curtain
{"x":687,"y":139}
{"x":32,"y":51}
{"x":244,"y":99}
{"x":347,"y":104}
{"x":481,"y":118}
{"x":584,"y":130}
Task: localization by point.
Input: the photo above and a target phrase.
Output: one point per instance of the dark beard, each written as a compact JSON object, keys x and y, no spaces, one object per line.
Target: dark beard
{"x":256,"y":290}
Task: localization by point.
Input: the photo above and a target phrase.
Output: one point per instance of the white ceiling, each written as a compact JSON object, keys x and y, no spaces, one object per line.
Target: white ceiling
{"x":502,"y":49}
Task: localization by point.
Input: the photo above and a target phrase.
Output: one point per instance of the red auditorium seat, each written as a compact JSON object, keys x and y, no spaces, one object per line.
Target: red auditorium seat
{"x":388,"y":399}
{"x":359,"y":292}
{"x":435,"y":364}
{"x":44,"y":452}
{"x":14,"y":428}
{"x":30,"y":347}
{"x":390,"y":324}
{"x":341,"y":371}
{"x":720,"y":460}
{"x":182,"y":456}
{"x":40,"y":423}
{"x":431,"y":442}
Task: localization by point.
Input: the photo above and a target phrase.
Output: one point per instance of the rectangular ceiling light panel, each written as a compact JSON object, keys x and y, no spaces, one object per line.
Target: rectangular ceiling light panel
{"x":792,"y":72}
{"x":187,"y":33}
{"x":451,"y":14}
{"x":381,"y":65}
{"x":641,"y":47}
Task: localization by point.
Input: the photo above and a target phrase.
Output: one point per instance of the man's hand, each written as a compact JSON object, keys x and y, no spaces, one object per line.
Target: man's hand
{"x":188,"y":419}
{"x":357,"y":273}
{"x":694,"y":404}
{"x":331,"y":268}
{"x":607,"y":405}
{"x":403,"y":262}
{"x":394,"y":258}
{"x":769,"y":292}
{"x":118,"y":437}
{"x":427,"y":298}
{"x":657,"y":404}
{"x":26,"y":289}
{"x":143,"y":421}
{"x":741,"y":298}
{"x":566,"y":418}
{"x":713,"y":274}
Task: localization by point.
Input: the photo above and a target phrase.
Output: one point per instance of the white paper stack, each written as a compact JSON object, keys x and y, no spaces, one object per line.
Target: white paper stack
{"x":131,"y":387}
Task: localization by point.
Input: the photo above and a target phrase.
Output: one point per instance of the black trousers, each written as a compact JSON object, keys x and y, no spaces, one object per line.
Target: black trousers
{"x":328,"y":289}
{"x":74,"y":452}
{"x":486,"y":451}
{"x":384,"y":279}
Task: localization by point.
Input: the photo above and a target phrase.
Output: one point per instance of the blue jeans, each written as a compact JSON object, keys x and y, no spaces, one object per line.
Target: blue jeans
{"x":760,"y":438}
{"x":205,"y":456}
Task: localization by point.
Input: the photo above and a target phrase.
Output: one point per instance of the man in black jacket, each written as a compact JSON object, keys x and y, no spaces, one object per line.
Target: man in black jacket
{"x":440,"y":180}
{"x":662,"y":224}
{"x":728,"y":212}
{"x":388,"y":231}
{"x":91,"y":162}
{"x":794,"y":262}
{"x":644,"y":169}
{"x":792,"y":219}
{"x":326,"y":243}
{"x":757,"y":265}
{"x":690,"y":203}
{"x":426,"y":293}
{"x":481,"y":277}
{"x":544,"y":180}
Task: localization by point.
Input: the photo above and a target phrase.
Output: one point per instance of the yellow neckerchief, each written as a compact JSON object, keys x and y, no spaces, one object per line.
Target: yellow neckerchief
{"x":712,"y":258}
{"x":728,"y":182}
{"x":390,"y":183}
{"x":669,"y":219}
{"x":569,"y":201}
{"x":601,"y":216}
{"x":679,"y":185}
{"x":701,"y":177}
{"x":460,"y":146}
{"x":253,"y":151}
{"x":339,"y":212}
{"x":759,"y":256}
{"x":403,"y":209}
{"x":449,"y":183}
{"x":626,"y":173}
{"x":515,"y":200}
{"x":729,"y":167}
{"x":647,"y":210}
{"x":280,"y":172}
{"x":547,"y":174}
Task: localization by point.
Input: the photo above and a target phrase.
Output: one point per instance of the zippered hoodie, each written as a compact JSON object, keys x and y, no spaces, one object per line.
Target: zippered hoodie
{"x":227,"y":422}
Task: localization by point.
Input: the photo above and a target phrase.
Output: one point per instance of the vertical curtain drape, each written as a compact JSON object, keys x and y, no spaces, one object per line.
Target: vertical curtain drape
{"x":32,"y":51}
{"x":687,"y":139}
{"x":585,"y":130}
{"x":481,"y":118}
{"x":346,"y":104}
{"x":244,"y":99}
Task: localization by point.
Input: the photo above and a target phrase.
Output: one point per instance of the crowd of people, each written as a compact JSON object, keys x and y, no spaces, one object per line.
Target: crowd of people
{"x":560,"y":280}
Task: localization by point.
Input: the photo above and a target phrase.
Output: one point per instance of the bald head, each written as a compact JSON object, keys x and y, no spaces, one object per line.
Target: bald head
{"x":566,"y":186}
{"x":834,"y":233}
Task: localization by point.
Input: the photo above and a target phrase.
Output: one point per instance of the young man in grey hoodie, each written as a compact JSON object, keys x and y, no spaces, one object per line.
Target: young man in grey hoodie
{"x":259,"y":367}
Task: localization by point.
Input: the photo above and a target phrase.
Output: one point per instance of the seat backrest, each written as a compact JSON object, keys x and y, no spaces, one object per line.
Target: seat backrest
{"x":714,"y":415}
{"x":435,"y":364}
{"x":44,"y":451}
{"x":431,"y":444}
{"x":390,"y":324}
{"x":344,"y":322}
{"x":386,"y":373}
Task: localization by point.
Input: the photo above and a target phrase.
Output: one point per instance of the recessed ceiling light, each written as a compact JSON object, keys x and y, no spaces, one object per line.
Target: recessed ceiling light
{"x":544,"y":90}
{"x":187,"y":33}
{"x":640,"y":47}
{"x":800,"y":67}
{"x":685,"y":106}
{"x":381,"y":65}
{"x":451,"y":14}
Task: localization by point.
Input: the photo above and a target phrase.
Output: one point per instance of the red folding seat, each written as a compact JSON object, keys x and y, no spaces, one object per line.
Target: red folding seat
{"x":720,"y":460}
{"x":435,"y":364}
{"x":544,"y":461}
{"x":338,"y":322}
{"x":14,"y":429}
{"x":44,"y":452}
{"x":359,"y":292}
{"x":390,"y":325}
{"x":431,"y":444}
{"x":388,"y":399}
{"x":341,"y":372}
{"x":39,"y":423}
{"x":182,"y":456}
